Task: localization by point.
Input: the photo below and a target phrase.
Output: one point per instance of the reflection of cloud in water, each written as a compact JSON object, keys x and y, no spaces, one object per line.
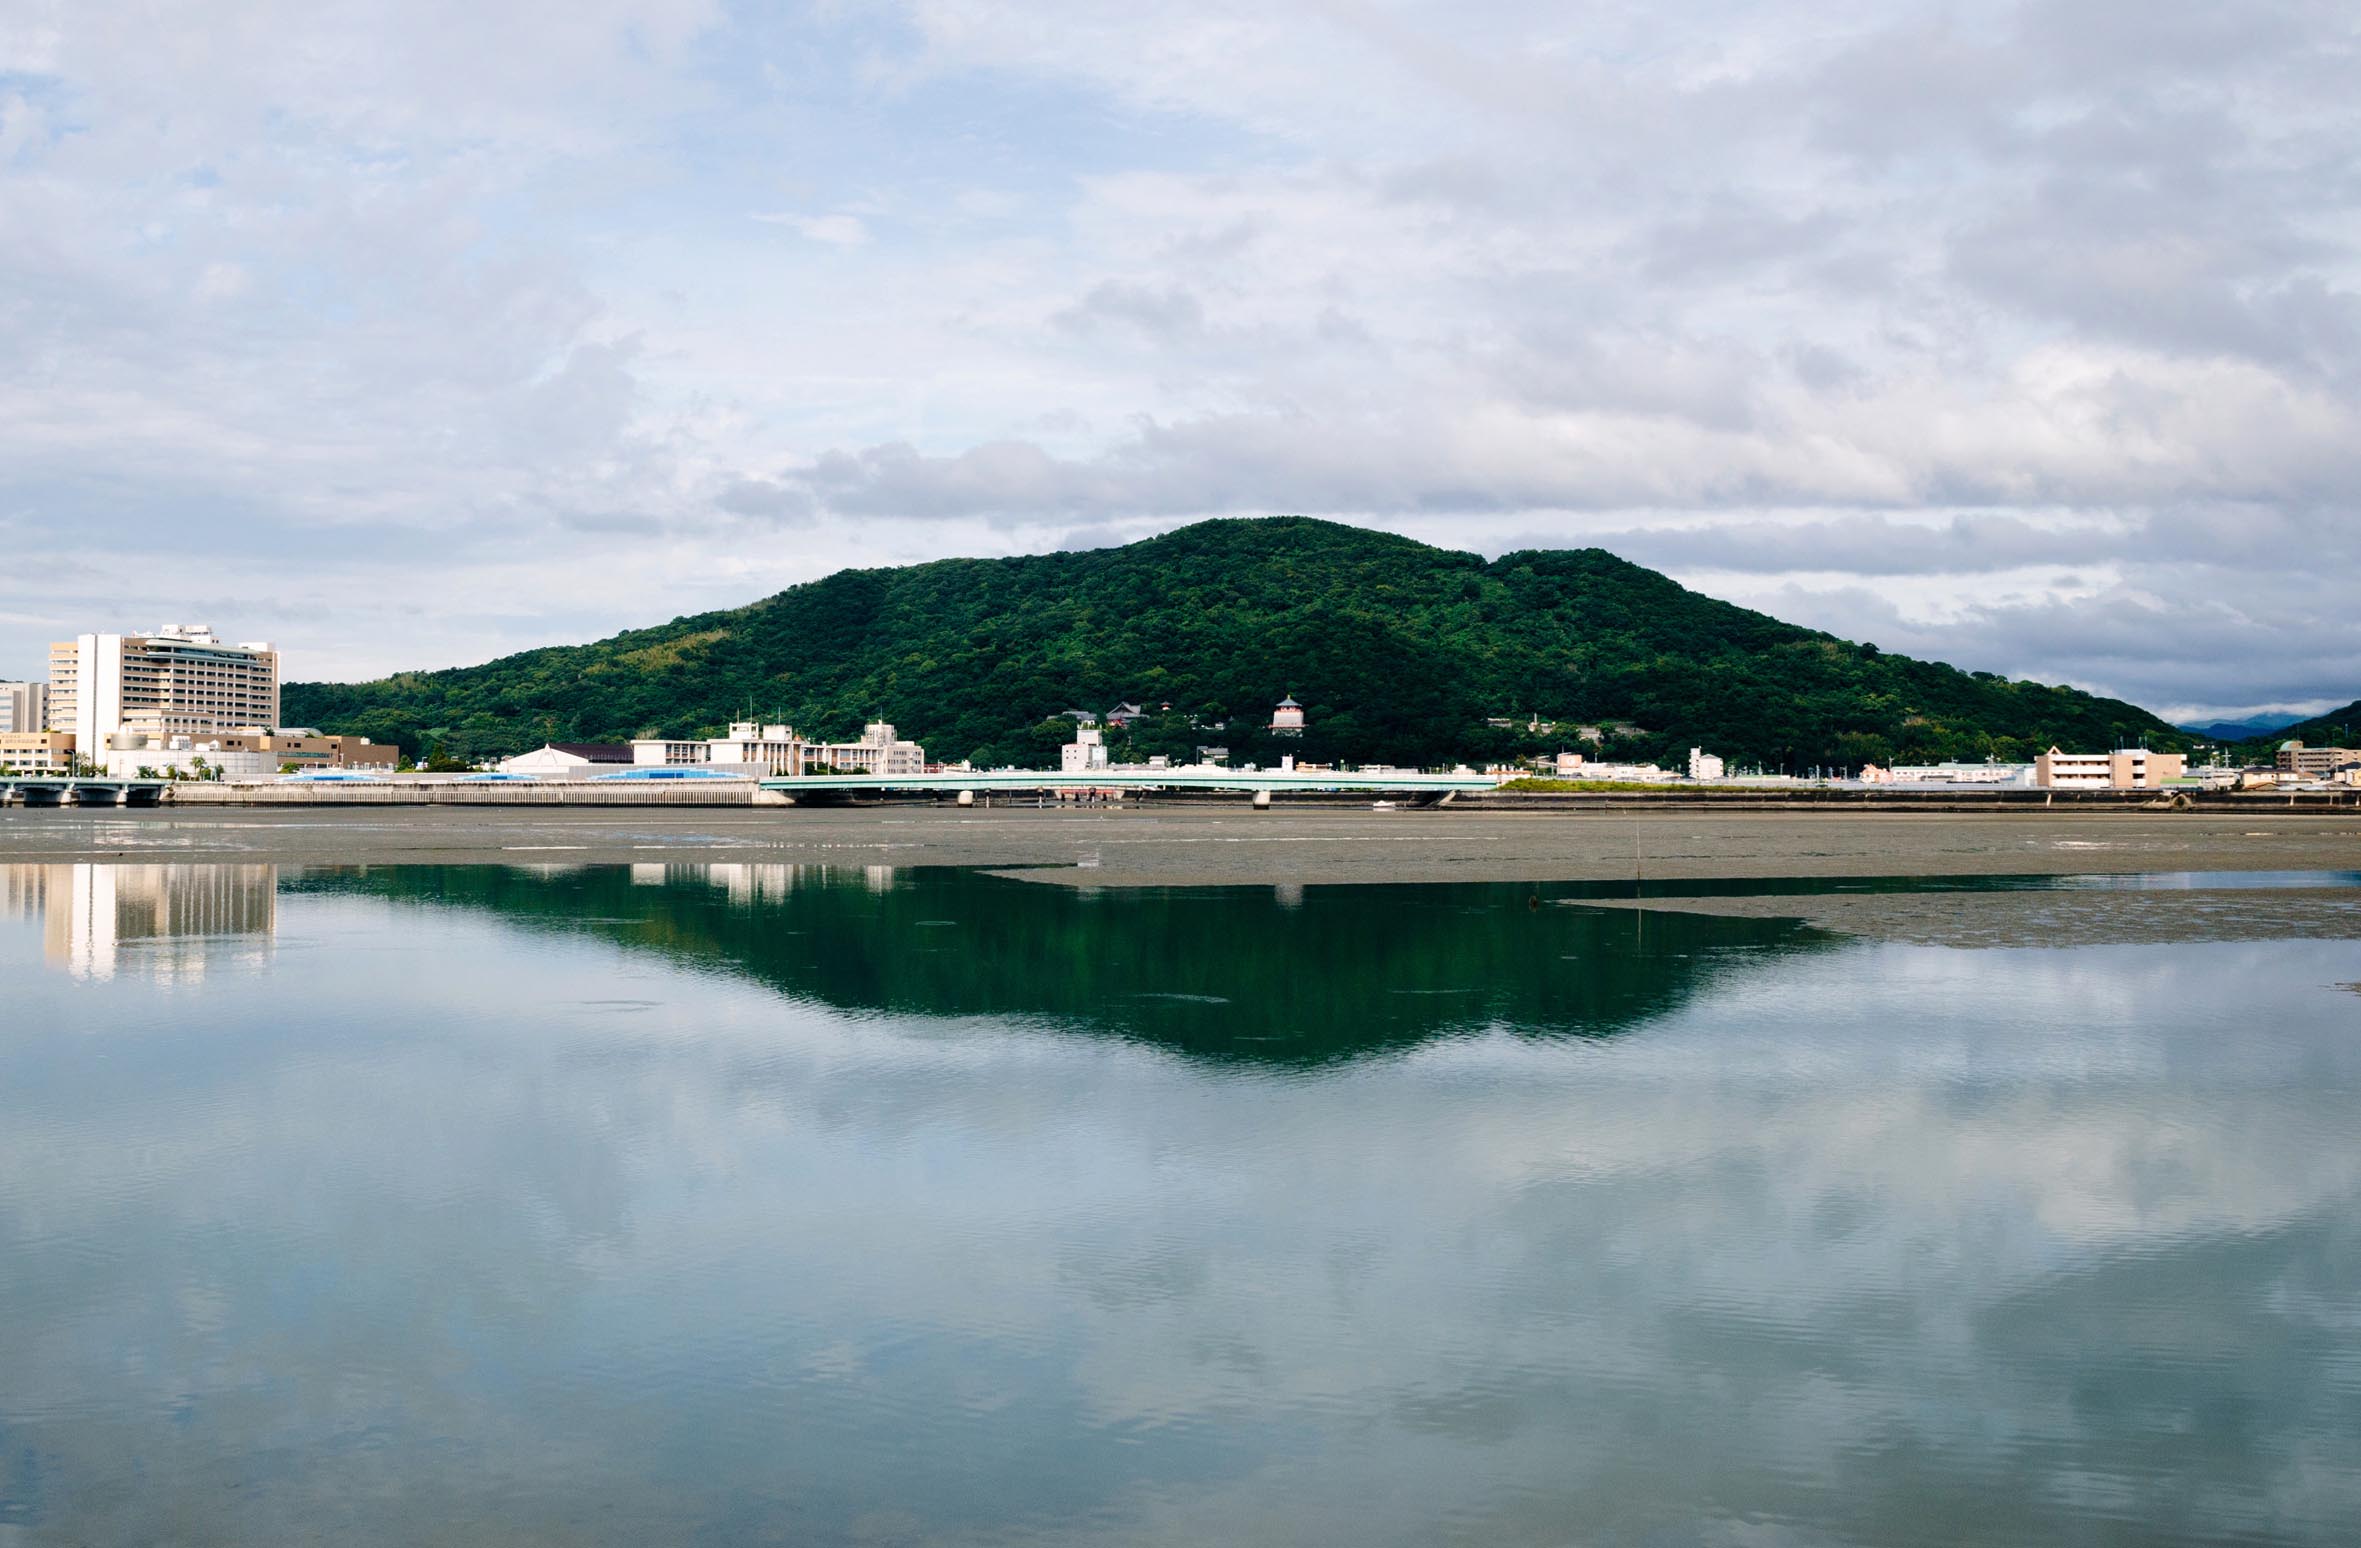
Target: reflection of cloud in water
{"x":1878,"y":1245}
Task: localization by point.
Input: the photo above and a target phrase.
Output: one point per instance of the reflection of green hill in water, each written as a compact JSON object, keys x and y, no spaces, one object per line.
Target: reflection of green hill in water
{"x":1289,"y":977}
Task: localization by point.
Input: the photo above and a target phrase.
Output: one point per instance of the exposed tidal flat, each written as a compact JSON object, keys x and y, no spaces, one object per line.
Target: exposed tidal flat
{"x":753,"y":1201}
{"x":1213,"y":846}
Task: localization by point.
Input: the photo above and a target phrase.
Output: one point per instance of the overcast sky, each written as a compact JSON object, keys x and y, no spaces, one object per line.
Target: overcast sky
{"x":2026,"y":337}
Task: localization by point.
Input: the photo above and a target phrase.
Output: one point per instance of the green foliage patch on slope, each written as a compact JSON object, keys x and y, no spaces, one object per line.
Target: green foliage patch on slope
{"x":1400,"y":651}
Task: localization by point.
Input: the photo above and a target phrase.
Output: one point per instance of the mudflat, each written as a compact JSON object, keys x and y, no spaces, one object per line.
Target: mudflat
{"x":2034,"y":918}
{"x":1151,"y":846}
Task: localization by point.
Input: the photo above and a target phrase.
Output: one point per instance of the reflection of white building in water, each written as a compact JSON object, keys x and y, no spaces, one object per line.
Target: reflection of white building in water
{"x":749,"y":885}
{"x":157,"y":921}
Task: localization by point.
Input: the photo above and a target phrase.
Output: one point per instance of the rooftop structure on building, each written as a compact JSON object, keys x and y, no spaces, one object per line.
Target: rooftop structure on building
{"x":570,"y":758}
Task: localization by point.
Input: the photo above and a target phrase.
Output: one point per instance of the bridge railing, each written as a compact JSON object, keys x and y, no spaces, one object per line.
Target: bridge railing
{"x":1144,"y":779}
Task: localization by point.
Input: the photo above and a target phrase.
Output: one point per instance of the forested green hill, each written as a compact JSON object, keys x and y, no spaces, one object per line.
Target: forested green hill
{"x":1401,"y":652}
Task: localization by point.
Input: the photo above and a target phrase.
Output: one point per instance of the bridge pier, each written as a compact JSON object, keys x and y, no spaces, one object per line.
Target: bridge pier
{"x":69,"y":790}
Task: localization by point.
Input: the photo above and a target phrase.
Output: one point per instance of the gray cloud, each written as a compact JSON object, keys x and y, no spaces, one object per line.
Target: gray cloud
{"x":763,"y":497}
{"x":2057,"y":300}
{"x":2260,"y":646}
{"x":1160,"y":313}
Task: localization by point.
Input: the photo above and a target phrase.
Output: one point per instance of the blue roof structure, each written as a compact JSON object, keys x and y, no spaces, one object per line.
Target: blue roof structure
{"x":664,"y":771}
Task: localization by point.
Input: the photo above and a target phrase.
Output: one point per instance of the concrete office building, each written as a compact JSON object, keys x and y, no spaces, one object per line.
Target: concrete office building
{"x":136,"y":755}
{"x":250,"y":752}
{"x":1996,"y":775}
{"x":1087,"y":751}
{"x":24,"y":706}
{"x":37,"y":752}
{"x":1573,"y":765}
{"x":180,"y":680}
{"x":777,"y":752}
{"x":879,"y":751}
{"x":2131,"y":768}
{"x":2314,"y":762}
{"x":306,"y":748}
{"x":768,"y":752}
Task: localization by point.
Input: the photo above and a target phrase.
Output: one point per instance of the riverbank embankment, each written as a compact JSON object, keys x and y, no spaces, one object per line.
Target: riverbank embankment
{"x":1225,"y":845}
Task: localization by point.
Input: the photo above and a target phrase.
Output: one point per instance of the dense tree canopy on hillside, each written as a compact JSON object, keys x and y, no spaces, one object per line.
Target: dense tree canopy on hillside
{"x":1401,"y":652}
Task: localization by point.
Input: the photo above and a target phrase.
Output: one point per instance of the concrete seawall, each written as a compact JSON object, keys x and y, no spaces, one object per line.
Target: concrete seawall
{"x":1735,"y":799}
{"x":404,"y":793}
{"x":1227,"y":844}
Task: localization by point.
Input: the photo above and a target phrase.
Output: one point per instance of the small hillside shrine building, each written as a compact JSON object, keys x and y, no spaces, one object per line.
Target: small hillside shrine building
{"x":1287,"y":719}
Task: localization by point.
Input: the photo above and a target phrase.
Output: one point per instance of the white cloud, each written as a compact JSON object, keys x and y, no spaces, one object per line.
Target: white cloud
{"x":839,"y":230}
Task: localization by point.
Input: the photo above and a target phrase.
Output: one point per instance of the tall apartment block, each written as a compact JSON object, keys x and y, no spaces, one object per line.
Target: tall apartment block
{"x":174,"y":682}
{"x":24,"y":706}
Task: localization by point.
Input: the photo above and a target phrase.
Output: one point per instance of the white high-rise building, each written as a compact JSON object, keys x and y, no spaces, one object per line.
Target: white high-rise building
{"x":24,"y":706}
{"x":176,"y":681}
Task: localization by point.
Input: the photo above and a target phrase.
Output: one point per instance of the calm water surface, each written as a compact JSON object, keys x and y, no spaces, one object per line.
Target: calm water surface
{"x":742,"y":1204}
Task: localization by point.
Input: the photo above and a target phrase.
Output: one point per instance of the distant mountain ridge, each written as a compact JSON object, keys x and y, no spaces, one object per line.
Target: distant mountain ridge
{"x":1401,"y":652}
{"x":2249,"y":729}
{"x":2337,"y":728}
